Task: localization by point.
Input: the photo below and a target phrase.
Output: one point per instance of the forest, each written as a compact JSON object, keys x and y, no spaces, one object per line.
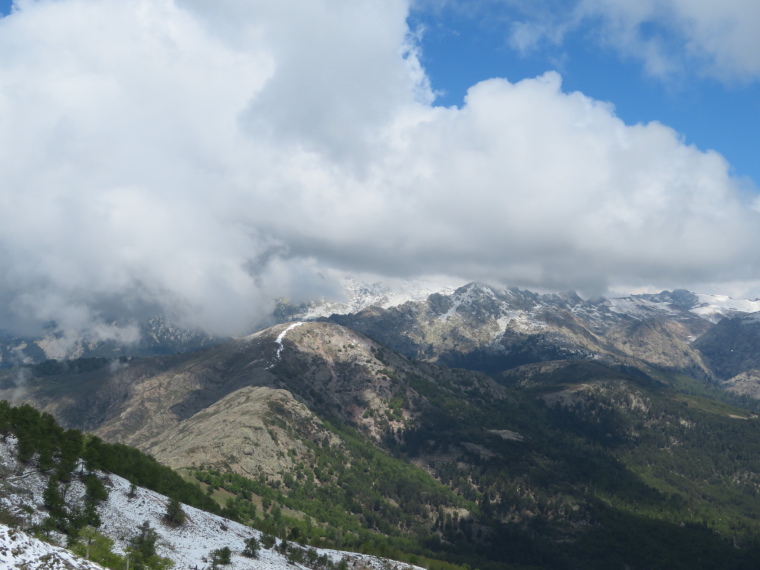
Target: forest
{"x":627,"y":470}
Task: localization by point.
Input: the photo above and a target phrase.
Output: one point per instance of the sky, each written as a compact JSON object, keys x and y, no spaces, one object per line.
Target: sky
{"x":203,"y":159}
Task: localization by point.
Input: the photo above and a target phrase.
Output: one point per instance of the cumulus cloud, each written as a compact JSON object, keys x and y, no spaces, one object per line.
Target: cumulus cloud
{"x":203,"y":159}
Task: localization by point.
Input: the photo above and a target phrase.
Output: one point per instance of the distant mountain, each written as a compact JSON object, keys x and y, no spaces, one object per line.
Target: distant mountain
{"x":732,"y":350}
{"x":155,"y":336}
{"x":483,"y":328}
{"x":570,"y":327}
{"x":586,"y":462}
{"x":710,"y":307}
{"x":358,"y":296}
{"x":159,"y":336}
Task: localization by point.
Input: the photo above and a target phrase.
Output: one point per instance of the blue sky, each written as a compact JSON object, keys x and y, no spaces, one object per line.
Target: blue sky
{"x":463,"y":43}
{"x":466,"y":42}
{"x":203,"y":159}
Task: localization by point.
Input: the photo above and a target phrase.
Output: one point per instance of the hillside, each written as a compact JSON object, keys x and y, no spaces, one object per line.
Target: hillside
{"x":18,"y":550}
{"x":123,"y":510}
{"x":731,"y":350}
{"x":343,"y":442}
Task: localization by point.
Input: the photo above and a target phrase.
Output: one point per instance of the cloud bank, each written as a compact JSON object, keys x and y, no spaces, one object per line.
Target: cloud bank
{"x":202,"y":159}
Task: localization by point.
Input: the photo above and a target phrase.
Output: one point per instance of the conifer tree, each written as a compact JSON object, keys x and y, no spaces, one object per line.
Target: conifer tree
{"x":252,"y":548}
{"x":174,"y":512}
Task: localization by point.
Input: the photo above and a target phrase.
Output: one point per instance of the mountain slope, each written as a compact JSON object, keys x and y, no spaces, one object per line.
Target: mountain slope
{"x":731,"y":350}
{"x":20,"y":551}
{"x":353,"y":444}
{"x":482,"y":328}
{"x":246,"y":390}
{"x":123,"y":513}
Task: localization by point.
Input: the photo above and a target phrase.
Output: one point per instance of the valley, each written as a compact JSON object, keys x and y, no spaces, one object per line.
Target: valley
{"x":495,"y":429}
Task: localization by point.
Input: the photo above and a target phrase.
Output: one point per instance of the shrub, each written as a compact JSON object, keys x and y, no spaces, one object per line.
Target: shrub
{"x":251,"y":548}
{"x":221,"y":556}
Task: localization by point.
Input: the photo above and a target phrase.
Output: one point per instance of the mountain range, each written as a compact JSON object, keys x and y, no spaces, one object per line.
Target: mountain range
{"x":497,"y":428}
{"x":482,"y":328}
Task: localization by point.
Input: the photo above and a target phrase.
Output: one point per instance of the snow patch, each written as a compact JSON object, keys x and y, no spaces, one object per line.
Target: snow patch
{"x":716,"y":307}
{"x":279,"y":340}
{"x":360,"y":295}
{"x":19,"y":550}
{"x":638,"y":308}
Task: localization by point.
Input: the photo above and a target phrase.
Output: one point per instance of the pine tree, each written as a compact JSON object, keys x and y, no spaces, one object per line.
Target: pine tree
{"x":174,"y":512}
{"x":221,"y":556}
{"x":53,"y":500}
{"x":252,"y":548}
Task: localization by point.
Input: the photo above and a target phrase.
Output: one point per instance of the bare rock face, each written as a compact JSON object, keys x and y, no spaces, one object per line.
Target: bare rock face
{"x":732,"y":350}
{"x":255,"y":430}
{"x":731,"y":346}
{"x":482,"y":328}
{"x":660,"y":343}
{"x":252,"y":405}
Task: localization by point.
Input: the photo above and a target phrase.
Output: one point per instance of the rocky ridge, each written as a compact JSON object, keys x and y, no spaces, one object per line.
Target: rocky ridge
{"x":480,"y":327}
{"x":252,"y":405}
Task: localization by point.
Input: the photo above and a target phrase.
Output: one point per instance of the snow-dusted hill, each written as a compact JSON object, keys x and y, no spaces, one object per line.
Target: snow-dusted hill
{"x":24,"y":552}
{"x":188,"y":545}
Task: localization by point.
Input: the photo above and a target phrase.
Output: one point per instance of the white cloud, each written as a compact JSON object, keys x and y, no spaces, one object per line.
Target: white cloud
{"x":718,"y":38}
{"x":205,"y":158}
{"x":672,"y":38}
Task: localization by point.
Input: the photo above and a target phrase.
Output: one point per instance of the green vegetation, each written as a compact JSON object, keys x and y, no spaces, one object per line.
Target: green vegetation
{"x":354,"y":497}
{"x":221,"y":556}
{"x":91,"y":545}
{"x":175,"y":515}
{"x":617,"y":472}
{"x":589,"y":467}
{"x":58,"y":451}
{"x":252,"y":548}
{"x":142,"y":550}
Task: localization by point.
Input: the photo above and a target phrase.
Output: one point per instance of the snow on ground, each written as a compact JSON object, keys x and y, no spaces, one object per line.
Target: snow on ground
{"x":279,"y":340}
{"x":25,"y":484}
{"x":638,"y":308}
{"x":359,"y":296}
{"x":521,"y":320}
{"x":19,"y":550}
{"x":188,"y":545}
{"x":715,"y":307}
